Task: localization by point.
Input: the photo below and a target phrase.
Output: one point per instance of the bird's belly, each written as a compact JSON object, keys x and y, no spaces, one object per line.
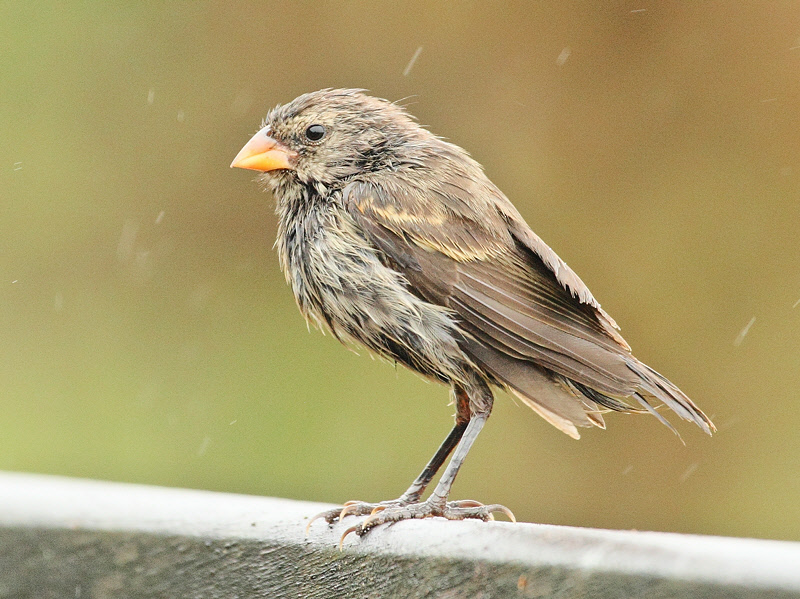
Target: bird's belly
{"x":339,"y":280}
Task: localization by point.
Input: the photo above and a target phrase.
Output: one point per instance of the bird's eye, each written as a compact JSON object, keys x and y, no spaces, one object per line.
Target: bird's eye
{"x":315,"y":132}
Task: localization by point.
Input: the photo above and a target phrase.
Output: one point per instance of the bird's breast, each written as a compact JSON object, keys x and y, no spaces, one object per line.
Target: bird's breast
{"x":328,"y":265}
{"x":339,"y":280}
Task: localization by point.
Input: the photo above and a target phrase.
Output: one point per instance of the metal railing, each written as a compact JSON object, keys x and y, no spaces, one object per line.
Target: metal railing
{"x":68,"y":538}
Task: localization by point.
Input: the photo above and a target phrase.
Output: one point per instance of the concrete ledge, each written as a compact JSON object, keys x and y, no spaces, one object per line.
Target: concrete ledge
{"x":64,"y":538}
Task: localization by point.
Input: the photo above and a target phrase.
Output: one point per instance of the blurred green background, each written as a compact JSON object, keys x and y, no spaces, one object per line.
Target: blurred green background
{"x":146,"y":333}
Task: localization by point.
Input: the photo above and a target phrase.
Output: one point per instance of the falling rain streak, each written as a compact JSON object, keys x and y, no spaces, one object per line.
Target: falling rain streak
{"x":411,"y":62}
{"x":743,"y":333}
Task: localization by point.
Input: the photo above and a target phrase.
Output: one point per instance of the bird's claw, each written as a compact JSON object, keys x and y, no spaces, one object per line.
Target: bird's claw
{"x":354,"y":508}
{"x":330,"y":516}
{"x":344,"y":535}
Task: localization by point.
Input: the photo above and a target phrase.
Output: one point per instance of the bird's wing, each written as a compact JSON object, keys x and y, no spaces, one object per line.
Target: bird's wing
{"x":485,"y":220}
{"x":542,"y":335}
{"x":468,"y":220}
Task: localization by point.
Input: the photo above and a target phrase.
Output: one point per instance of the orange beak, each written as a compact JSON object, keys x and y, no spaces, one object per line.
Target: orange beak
{"x":263,"y":153}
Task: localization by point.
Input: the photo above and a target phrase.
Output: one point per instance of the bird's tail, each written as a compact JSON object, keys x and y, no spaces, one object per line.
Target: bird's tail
{"x":655,"y":388}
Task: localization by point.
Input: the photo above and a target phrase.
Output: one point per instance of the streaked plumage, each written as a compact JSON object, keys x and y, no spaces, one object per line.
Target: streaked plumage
{"x":395,"y":238}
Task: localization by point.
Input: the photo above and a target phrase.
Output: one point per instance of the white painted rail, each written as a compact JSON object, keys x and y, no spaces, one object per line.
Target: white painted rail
{"x":67,"y":538}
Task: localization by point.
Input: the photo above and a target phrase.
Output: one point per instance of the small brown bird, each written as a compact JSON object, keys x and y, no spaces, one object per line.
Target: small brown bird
{"x":392,"y":237}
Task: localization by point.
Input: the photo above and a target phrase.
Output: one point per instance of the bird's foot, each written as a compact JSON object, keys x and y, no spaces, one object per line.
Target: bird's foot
{"x":395,"y":511}
{"x":357,"y":508}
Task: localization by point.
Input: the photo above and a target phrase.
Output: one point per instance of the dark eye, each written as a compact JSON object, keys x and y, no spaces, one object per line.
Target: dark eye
{"x":315,"y":132}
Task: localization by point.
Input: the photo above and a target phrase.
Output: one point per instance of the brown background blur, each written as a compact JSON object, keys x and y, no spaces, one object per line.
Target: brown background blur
{"x":146,"y":333}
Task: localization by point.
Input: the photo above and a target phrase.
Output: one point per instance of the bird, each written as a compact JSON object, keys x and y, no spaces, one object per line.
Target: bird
{"x":394,"y":238}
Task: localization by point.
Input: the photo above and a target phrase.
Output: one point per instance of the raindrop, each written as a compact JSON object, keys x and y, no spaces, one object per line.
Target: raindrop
{"x":203,"y":446}
{"x":127,"y":239}
{"x":743,"y":333}
{"x":242,"y":102}
{"x":689,"y":471}
{"x":411,"y":62}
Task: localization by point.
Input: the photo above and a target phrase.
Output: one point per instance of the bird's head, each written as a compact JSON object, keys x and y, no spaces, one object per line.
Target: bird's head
{"x":327,"y":137}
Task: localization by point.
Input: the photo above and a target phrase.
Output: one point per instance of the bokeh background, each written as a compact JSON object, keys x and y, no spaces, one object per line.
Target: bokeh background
{"x":146,"y":333}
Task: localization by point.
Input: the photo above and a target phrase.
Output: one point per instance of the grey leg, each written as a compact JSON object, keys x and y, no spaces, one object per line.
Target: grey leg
{"x":480,"y":406}
{"x":417,"y":488}
{"x":442,"y":490}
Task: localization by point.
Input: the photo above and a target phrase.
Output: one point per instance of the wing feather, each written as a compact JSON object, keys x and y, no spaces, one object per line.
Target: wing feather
{"x":528,"y":320}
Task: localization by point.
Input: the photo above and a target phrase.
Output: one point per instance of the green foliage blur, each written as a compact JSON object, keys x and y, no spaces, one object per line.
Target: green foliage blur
{"x":147,"y":335}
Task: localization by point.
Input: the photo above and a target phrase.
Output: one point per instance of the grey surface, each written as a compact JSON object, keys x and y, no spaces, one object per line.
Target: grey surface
{"x":76,"y":538}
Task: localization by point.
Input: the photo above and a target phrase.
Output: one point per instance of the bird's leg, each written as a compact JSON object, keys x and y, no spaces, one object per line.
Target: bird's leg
{"x":480,"y":406}
{"x":417,"y":488}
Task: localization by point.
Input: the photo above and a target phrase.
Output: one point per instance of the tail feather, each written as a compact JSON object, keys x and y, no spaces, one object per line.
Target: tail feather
{"x":654,"y":386}
{"x":612,"y":403}
{"x":568,"y":404}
